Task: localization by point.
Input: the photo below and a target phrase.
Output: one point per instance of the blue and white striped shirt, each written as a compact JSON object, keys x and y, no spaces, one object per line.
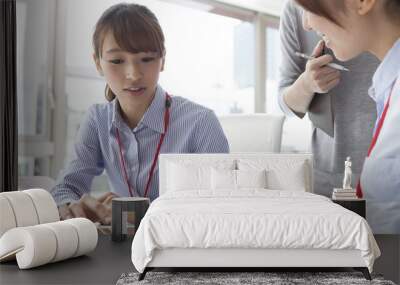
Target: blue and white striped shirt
{"x":192,"y":129}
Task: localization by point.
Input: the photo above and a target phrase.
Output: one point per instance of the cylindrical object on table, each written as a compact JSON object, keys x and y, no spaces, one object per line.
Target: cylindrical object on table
{"x":127,"y":212}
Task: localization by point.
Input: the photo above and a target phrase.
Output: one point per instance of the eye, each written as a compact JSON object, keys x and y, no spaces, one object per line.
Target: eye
{"x":148,"y":59}
{"x":116,"y":61}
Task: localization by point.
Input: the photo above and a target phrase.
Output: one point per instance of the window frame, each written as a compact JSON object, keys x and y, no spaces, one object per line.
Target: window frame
{"x":61,"y":70}
{"x":41,"y":146}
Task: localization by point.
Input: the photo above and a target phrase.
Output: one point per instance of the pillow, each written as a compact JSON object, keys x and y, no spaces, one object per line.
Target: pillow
{"x":251,"y":178}
{"x":236,"y":179}
{"x":193,"y":174}
{"x":282,"y":174}
{"x":187,"y":177}
{"x":223,"y":179}
{"x":293,"y":180}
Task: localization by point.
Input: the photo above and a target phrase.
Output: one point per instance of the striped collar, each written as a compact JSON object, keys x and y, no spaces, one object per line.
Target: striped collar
{"x":153,"y":118}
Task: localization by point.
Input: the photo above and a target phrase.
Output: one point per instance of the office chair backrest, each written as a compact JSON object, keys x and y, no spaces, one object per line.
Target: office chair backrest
{"x":253,"y":132}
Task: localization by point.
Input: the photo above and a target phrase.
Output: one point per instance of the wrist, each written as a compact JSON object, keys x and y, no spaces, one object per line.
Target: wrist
{"x":305,"y":87}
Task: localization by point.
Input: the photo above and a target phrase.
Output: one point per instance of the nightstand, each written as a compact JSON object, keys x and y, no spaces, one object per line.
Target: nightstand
{"x":357,"y":206}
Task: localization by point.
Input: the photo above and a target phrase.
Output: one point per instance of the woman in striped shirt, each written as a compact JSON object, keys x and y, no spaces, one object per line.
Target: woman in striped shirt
{"x":125,"y":135}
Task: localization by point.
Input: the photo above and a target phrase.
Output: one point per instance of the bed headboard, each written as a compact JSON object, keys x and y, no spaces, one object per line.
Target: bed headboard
{"x":237,"y":160}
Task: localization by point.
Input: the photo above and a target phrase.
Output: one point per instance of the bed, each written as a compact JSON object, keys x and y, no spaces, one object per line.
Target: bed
{"x":245,"y":211}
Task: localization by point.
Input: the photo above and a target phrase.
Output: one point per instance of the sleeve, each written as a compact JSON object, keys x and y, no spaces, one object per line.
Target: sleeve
{"x":86,"y":162}
{"x":291,"y":66}
{"x":209,"y":136}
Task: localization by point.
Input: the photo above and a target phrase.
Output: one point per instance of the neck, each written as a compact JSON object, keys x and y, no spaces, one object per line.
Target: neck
{"x":133,"y":112}
{"x":384,"y":40}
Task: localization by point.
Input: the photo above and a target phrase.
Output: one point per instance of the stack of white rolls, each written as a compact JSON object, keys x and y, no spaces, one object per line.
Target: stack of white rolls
{"x":31,"y":232}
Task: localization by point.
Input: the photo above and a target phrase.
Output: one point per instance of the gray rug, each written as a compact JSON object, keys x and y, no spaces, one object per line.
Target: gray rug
{"x":243,"y":278}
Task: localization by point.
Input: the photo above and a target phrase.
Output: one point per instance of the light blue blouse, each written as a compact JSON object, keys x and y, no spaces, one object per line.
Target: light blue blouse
{"x":380,"y":179}
{"x":192,"y":129}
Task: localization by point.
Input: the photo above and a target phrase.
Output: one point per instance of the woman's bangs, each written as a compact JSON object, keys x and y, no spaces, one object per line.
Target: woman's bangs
{"x":134,"y":37}
{"x":323,"y":8}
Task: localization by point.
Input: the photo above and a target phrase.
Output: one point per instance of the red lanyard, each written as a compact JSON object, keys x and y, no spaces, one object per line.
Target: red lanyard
{"x":153,"y":165}
{"x":359,"y":192}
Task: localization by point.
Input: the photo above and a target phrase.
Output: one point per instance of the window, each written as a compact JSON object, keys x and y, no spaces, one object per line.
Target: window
{"x":34,"y":77}
{"x":210,"y":60}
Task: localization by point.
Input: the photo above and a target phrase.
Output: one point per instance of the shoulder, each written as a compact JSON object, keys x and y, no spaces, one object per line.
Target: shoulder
{"x":100,"y":110}
{"x":291,"y":29}
{"x":291,"y":11}
{"x":183,"y":107}
{"x":100,"y":114}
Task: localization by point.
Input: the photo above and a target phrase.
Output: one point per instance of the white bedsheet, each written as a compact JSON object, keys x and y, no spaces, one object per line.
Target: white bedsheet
{"x":251,"y":218}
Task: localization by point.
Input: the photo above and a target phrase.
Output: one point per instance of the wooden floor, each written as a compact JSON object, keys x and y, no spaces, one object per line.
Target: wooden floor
{"x":389,"y":262}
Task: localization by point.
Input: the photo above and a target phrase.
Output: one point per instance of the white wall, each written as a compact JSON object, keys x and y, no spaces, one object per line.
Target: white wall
{"x":271,"y":7}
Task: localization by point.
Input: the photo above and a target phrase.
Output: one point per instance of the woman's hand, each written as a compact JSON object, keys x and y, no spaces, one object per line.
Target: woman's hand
{"x":96,"y":210}
{"x":319,"y":78}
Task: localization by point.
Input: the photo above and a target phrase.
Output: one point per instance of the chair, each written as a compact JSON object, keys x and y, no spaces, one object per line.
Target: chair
{"x":253,"y":132}
{"x":28,"y":182}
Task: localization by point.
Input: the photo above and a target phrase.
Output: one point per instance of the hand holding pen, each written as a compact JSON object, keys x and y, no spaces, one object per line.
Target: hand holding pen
{"x":333,"y":65}
{"x":321,"y":74}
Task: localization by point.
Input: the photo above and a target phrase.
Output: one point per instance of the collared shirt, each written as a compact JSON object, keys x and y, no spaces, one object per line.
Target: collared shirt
{"x":192,"y":129}
{"x":380,"y":179}
{"x":384,"y":78}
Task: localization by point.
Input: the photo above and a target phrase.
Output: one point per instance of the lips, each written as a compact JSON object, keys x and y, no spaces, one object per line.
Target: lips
{"x":132,"y":88}
{"x":135,"y":90}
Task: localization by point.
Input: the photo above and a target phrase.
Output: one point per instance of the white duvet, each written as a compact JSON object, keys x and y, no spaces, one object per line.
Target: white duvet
{"x":252,"y":218}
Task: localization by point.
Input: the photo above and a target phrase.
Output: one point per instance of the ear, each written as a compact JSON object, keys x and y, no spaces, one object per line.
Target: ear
{"x":98,"y":66}
{"x":365,"y":6}
{"x":162,"y":64}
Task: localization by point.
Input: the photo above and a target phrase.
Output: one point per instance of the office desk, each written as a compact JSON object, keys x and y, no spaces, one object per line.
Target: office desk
{"x":104,"y":265}
{"x":110,"y":259}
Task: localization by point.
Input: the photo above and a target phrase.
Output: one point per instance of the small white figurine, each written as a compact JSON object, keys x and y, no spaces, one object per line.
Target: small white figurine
{"x":347,"y":174}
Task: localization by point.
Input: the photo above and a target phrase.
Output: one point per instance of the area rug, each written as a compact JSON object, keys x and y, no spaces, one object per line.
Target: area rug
{"x":244,"y":278}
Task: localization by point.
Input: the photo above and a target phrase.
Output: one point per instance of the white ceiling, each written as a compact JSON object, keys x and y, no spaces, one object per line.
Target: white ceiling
{"x":272,"y":7}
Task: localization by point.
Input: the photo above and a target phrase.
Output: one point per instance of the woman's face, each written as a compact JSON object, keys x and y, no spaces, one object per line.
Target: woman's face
{"x":131,"y":76}
{"x":347,"y":40}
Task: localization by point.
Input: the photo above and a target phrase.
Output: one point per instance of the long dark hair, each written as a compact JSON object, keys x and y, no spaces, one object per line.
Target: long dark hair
{"x":135,"y":29}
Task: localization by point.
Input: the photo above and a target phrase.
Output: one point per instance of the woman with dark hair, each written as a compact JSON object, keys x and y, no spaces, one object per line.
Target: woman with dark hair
{"x":125,"y":136}
{"x":326,"y":95}
{"x":350,"y":27}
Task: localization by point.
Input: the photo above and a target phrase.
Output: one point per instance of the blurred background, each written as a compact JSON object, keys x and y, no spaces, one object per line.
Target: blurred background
{"x":222,"y":54}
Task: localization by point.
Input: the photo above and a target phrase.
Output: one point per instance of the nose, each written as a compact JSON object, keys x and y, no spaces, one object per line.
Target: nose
{"x":306,"y":21}
{"x":133,"y":72}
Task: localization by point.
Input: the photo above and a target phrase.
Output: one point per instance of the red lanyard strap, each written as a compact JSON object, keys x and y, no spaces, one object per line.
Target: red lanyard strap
{"x":379,"y":127}
{"x":359,"y":192}
{"x":153,"y":165}
{"x":123,"y":164}
{"x":166,"y":124}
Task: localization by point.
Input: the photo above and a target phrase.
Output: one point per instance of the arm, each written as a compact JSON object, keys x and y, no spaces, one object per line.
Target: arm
{"x":87,"y":162}
{"x":209,"y":136}
{"x":299,"y":81}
